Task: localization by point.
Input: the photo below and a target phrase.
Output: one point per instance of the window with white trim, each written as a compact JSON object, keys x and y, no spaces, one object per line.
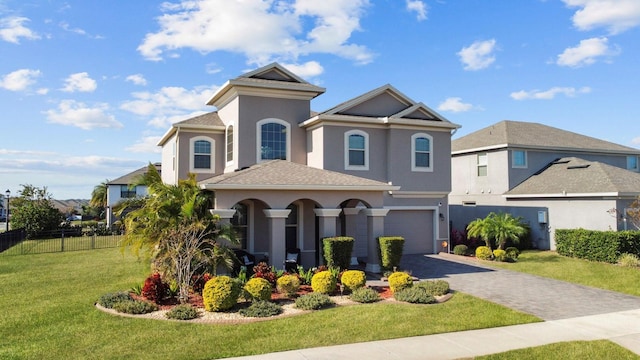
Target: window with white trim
{"x":291,"y":228}
{"x":273,"y":139}
{"x":518,"y":159}
{"x":421,"y":152}
{"x":482,"y":164}
{"x":356,"y":150}
{"x":240,"y":224}
{"x":202,"y":154}
{"x":632,"y":163}
{"x":229,"y":143}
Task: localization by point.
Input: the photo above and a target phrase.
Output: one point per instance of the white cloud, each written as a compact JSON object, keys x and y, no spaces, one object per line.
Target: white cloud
{"x":636,"y":141}
{"x":148,"y":144}
{"x":213,"y":25}
{"x":73,"y":113}
{"x":549,"y":94}
{"x":478,"y":55}
{"x":79,"y":82}
{"x":454,"y":104}
{"x":419,"y":7}
{"x":169,"y":104}
{"x":19,"y":80}
{"x":308,"y":69}
{"x":137,"y":79}
{"x":615,"y":15}
{"x":12,"y":29}
{"x":586,"y":52}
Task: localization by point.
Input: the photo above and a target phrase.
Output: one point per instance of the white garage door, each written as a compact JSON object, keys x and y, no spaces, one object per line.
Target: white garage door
{"x":416,"y":226}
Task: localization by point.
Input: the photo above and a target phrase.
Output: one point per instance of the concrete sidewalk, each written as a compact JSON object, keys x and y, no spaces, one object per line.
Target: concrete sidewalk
{"x":622,"y":328}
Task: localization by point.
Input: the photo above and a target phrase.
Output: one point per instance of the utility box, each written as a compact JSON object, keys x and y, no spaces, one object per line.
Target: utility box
{"x":542,"y":217}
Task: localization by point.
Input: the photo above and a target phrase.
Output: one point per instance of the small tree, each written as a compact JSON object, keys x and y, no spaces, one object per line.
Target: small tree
{"x":500,"y":227}
{"x":33,"y":211}
{"x":633,"y":213}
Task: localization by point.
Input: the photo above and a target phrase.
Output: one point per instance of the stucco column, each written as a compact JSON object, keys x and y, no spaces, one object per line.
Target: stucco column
{"x":225,"y":220}
{"x":327,"y":221}
{"x":277,"y":243}
{"x":375,"y":228}
{"x":351,"y":230}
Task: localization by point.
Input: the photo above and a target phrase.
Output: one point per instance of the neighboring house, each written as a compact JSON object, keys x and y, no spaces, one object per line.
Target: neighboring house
{"x":121,"y":189}
{"x":554,"y":179}
{"x":286,"y":177}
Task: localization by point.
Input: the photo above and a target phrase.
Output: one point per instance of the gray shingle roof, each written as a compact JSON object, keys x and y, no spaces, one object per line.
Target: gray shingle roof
{"x":573,"y":176}
{"x":211,"y":119}
{"x":280,"y":174}
{"x":533,"y":136}
{"x":130,"y":177}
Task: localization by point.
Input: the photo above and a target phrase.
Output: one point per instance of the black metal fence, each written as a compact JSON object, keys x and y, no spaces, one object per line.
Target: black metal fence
{"x":14,"y":242}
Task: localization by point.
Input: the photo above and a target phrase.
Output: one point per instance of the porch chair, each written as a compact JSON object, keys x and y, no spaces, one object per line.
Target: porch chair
{"x":292,"y":260}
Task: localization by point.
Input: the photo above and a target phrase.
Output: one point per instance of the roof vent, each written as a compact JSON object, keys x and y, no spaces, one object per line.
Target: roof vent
{"x":578,"y":167}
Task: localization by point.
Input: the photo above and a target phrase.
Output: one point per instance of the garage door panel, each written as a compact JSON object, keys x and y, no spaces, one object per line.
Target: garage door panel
{"x":416,"y":226}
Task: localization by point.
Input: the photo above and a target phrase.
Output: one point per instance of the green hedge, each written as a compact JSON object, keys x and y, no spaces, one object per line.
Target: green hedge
{"x":337,"y":251}
{"x":605,"y":246}
{"x":390,"y":251}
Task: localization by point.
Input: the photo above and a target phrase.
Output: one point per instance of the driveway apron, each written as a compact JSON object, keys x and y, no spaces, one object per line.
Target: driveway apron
{"x":543,"y":297}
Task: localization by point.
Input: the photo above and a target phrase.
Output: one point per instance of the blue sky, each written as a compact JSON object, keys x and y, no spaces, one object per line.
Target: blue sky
{"x":88,"y":87}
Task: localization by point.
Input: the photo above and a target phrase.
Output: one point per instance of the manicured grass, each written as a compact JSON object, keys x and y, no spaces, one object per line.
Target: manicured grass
{"x":47,"y":305}
{"x":594,"y":274}
{"x":578,"y":350}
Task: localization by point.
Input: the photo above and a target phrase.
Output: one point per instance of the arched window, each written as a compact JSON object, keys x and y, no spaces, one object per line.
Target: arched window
{"x":202,"y":154}
{"x":421,"y":152}
{"x":230,"y":144}
{"x":356,"y":150}
{"x":273,"y":138}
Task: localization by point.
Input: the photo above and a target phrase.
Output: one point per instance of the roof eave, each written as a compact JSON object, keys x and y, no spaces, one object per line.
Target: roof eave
{"x":299,"y":187}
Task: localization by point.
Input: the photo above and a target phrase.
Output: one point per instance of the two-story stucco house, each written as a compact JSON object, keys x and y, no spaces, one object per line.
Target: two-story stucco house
{"x":286,"y":177}
{"x":121,"y":189}
{"x":554,"y":179}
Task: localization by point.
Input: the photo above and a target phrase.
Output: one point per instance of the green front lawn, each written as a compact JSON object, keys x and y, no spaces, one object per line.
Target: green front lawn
{"x":574,"y":350}
{"x":595,"y":274}
{"x":47,"y":312}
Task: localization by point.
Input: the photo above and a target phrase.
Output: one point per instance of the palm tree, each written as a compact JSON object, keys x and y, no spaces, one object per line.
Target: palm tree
{"x":99,"y":195}
{"x":501,"y":227}
{"x":175,"y":229}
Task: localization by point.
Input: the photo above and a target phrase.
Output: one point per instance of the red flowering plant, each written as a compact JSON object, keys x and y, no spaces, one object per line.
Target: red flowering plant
{"x":198,"y":281}
{"x":263,"y":270}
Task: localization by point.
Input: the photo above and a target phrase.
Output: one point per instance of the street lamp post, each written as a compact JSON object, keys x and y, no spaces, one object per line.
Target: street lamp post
{"x":7,"y":196}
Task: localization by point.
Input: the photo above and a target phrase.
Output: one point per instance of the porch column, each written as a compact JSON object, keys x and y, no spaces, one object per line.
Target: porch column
{"x":351,"y":230}
{"x":224,"y":214}
{"x":375,"y":228}
{"x":225,"y":220}
{"x":277,"y":243}
{"x":327,"y":221}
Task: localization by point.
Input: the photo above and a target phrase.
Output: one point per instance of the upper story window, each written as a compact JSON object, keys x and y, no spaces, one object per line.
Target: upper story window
{"x":127,"y":192}
{"x":230,"y":143}
{"x":421,"y":152}
{"x":273,"y":137}
{"x":356,"y":150}
{"x":518,"y":159}
{"x":202,"y":155}
{"x":632,"y":163}
{"x":482,"y":164}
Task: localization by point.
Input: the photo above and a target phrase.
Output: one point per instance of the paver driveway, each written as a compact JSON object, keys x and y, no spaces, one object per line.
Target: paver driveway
{"x":546,"y":298}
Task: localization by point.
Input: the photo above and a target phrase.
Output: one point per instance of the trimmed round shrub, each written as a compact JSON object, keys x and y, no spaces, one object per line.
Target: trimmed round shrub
{"x":313,"y":301}
{"x":434,"y":287}
{"x":483,"y":253}
{"x":461,"y":249}
{"x":629,"y":260}
{"x":512,"y":253}
{"x":288,"y":284}
{"x":500,"y":255}
{"x":135,"y":307}
{"x":364,"y":295}
{"x":323,"y":282}
{"x":182,"y":312}
{"x":414,"y":295}
{"x":353,"y":279}
{"x":108,"y":300}
{"x":220,"y":293}
{"x":258,"y":289}
{"x":399,"y":280}
{"x":261,"y":308}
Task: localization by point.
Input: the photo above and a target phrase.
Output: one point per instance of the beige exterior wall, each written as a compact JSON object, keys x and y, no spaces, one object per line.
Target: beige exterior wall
{"x":168,"y":174}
